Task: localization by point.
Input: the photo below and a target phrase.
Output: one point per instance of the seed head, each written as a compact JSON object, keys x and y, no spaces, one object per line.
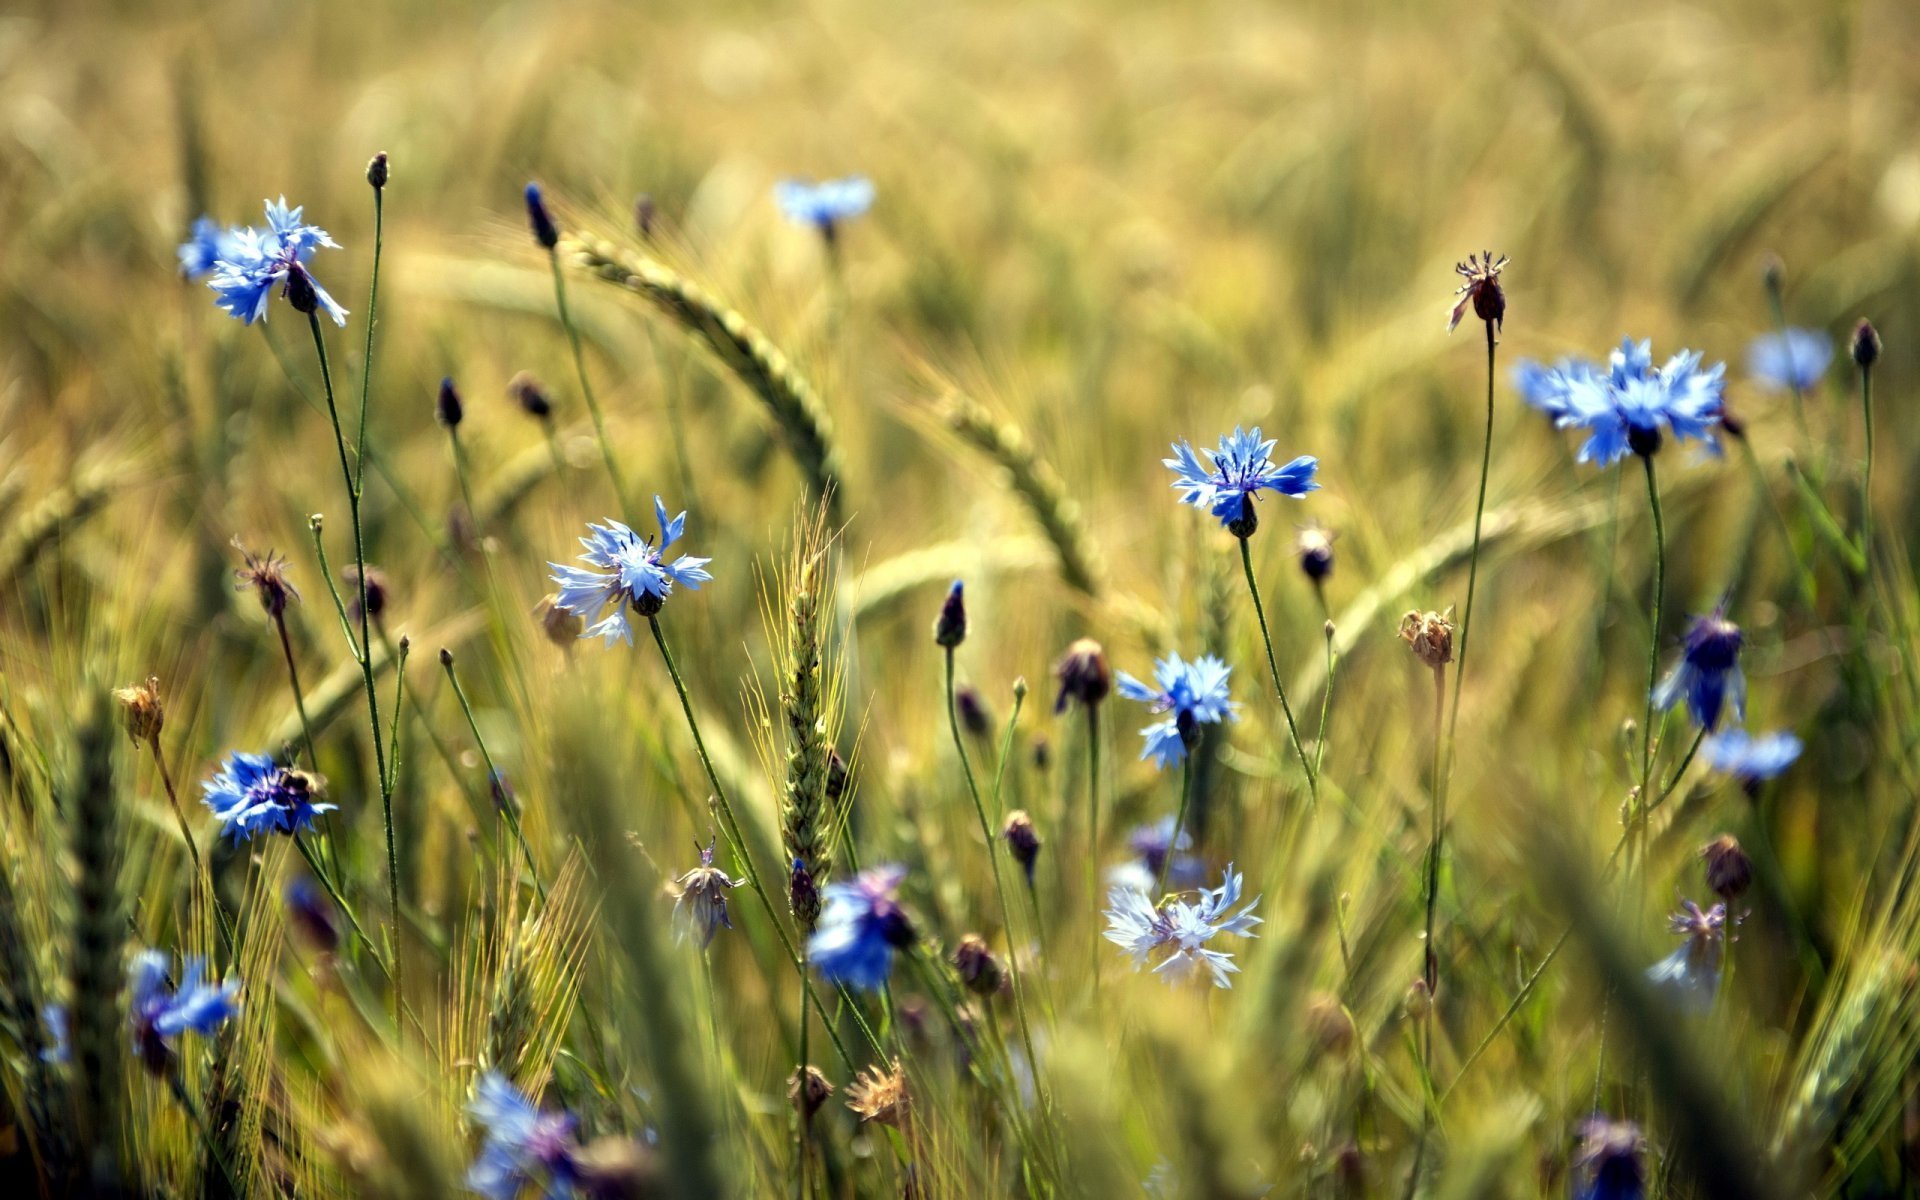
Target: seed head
{"x":808,"y":1089}
{"x":1430,"y":636}
{"x":1023,"y":841}
{"x":1314,"y":545}
{"x":950,"y":629}
{"x":530,"y":395}
{"x":1084,"y":674}
{"x":141,"y":710}
{"x":544,"y":230}
{"x":1729,"y":870}
{"x":977,"y":966}
{"x":377,"y":171}
{"x":880,"y":1096}
{"x":266,"y":574}
{"x":1481,"y":290}
{"x":447,"y":408}
{"x":1866,"y":344}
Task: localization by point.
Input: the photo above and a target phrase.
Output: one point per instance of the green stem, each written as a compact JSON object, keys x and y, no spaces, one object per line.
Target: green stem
{"x":1293,"y":731}
{"x":1179,"y":823}
{"x":586,"y":386}
{"x":366,"y":361}
{"x":1866,"y":475}
{"x":299,"y":698}
{"x":1473,"y":560}
{"x":1653,"y":631}
{"x":1326,"y":701}
{"x":495,"y":781}
{"x":1093,"y":831}
{"x":340,"y":902}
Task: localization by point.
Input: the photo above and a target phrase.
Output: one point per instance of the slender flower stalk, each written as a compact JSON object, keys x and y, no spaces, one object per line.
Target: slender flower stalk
{"x":1279,"y":689}
{"x":503,"y":797}
{"x":1431,"y":638}
{"x":1653,"y":631}
{"x":1179,"y":822}
{"x":1866,"y":351}
{"x":1483,"y":290}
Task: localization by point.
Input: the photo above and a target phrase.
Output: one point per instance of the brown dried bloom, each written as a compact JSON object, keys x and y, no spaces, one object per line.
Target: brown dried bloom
{"x":1430,"y":636}
{"x":266,"y":574}
{"x":1481,"y":290}
{"x":880,"y":1096}
{"x":141,"y":709}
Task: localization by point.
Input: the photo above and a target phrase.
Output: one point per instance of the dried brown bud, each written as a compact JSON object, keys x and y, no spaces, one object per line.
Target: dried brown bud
{"x":1023,"y":842}
{"x":1084,"y":674}
{"x":1729,"y":870}
{"x":880,"y":1096}
{"x":977,"y":966}
{"x":141,"y":709}
{"x":1430,"y":636}
{"x":808,"y":1089}
{"x":563,"y":627}
{"x":266,"y":574}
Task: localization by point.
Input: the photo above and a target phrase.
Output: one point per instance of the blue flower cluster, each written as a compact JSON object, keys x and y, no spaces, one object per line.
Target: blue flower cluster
{"x":247,"y":262}
{"x":635,"y":575}
{"x":1708,"y":676}
{"x":1628,"y":406}
{"x":1191,"y":693}
{"x":1750,"y":759}
{"x":252,"y":794}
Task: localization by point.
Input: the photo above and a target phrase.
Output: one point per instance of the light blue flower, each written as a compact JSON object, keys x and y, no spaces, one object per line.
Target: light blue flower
{"x":1230,"y":478}
{"x":1795,"y":359}
{"x":1708,"y":675}
{"x":825,"y":204}
{"x":57,"y":1049}
{"x":523,"y":1145}
{"x":1690,"y":976}
{"x":160,"y":1013}
{"x":1150,"y":845}
{"x":860,"y":929}
{"x":1751,"y":759}
{"x":1194,"y":693}
{"x":1548,"y":388}
{"x":636,"y":577}
{"x":252,"y":794}
{"x":1143,"y":929}
{"x":257,"y":260}
{"x":1628,"y":408}
{"x":208,"y":244}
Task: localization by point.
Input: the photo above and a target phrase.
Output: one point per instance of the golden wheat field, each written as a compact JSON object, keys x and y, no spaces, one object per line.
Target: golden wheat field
{"x":1115,"y":697}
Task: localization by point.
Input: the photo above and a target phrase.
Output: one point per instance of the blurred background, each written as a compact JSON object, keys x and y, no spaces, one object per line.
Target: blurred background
{"x":1098,"y":228}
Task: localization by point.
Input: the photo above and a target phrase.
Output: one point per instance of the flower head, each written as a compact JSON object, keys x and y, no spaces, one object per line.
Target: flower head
{"x":1729,"y":870}
{"x":638,"y":576}
{"x":880,"y":1096}
{"x":531,"y":395}
{"x":976,"y":965}
{"x":206,"y":246}
{"x":523,"y":1146}
{"x":255,"y":260}
{"x":1481,"y":290}
{"x":539,"y":219}
{"x":1793,"y":359}
{"x":1751,"y":759}
{"x":950,"y":627}
{"x":252,"y":794}
{"x":1230,"y":478}
{"x":1084,"y":675}
{"x":1708,"y":675}
{"x":1194,"y":693}
{"x":1691,"y":974}
{"x":1630,"y":406}
{"x":861,"y":927}
{"x":1547,"y":388}
{"x":160,"y":1013}
{"x":702,"y":897}
{"x":1430,"y":636}
{"x":1610,"y":1162}
{"x":824,"y":205}
{"x":1313,"y":546}
{"x":1142,"y":929}
{"x":266,"y":574}
{"x":1023,"y":841}
{"x":142,"y":711}
{"x":807,"y":1089}
{"x":1865,"y":346}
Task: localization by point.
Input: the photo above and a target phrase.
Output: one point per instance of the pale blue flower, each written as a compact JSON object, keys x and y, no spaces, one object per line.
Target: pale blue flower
{"x":825,"y":204}
{"x":636,"y":575}
{"x":1795,"y":359}
{"x":257,"y":260}
{"x":1631,"y":406}
{"x":1690,"y":976}
{"x":1193,"y":693}
{"x":159,"y":1013}
{"x":1229,"y":479}
{"x":1751,"y":759}
{"x":860,"y":929}
{"x":57,"y":1049}
{"x":252,"y":794}
{"x":208,"y":243}
{"x":1143,"y":929}
{"x":1548,"y":388}
{"x":523,"y":1146}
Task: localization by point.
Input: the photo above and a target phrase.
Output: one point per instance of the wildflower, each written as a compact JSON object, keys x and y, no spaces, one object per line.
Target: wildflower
{"x":1430,"y":636}
{"x":309,"y":911}
{"x":1194,"y":692}
{"x":950,"y":627}
{"x":1792,"y":358}
{"x":702,"y":899}
{"x":824,"y":205}
{"x":1751,"y":759}
{"x":1866,"y":344}
{"x":861,"y":927}
{"x":1708,"y":674}
{"x":257,"y":260}
{"x":530,"y":395}
{"x":524,"y":1146}
{"x":1729,"y":870}
{"x":1150,"y":845}
{"x":880,"y":1096}
{"x":207,"y":245}
{"x":638,"y":576}
{"x":1691,"y":974}
{"x":141,"y":709}
{"x":1548,"y":389}
{"x":378,"y":171}
{"x":1610,"y":1160}
{"x":1141,"y":928}
{"x":1228,"y":482}
{"x":807,"y":1089}
{"x":252,"y":794}
{"x":1314,"y":547}
{"x":544,"y":230}
{"x":1481,"y":290}
{"x":978,"y":969}
{"x":159,"y":1013}
{"x":58,"y":1049}
{"x":1084,"y":675}
{"x":1626,"y":409}
{"x":447,"y":407}
{"x":1023,"y":842}
{"x":266,"y":574}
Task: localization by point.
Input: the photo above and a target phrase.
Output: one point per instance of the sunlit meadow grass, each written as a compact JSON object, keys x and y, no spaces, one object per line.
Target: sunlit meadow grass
{"x":1443,"y":782}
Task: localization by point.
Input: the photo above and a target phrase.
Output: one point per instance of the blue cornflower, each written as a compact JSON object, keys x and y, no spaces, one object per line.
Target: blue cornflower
{"x":57,"y":1049}
{"x":1690,"y":976}
{"x":252,"y":794}
{"x":639,"y":578}
{"x":1194,"y":692}
{"x":524,"y":1146}
{"x":1708,"y":674}
{"x":1546,"y":388}
{"x":1610,"y":1162}
{"x":1150,"y":845}
{"x":860,"y":928}
{"x":207,"y":245}
{"x":1626,"y":408}
{"x":1751,"y":759}
{"x":258,"y":260}
{"x":1227,"y":483}
{"x":1141,"y":928}
{"x":159,"y":1013}
{"x":825,"y":204}
{"x":1795,"y":359}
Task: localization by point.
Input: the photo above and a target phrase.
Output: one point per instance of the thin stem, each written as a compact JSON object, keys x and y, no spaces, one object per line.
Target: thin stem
{"x":1430,"y":961}
{"x":293,"y":678}
{"x":495,"y":781}
{"x":340,"y":902}
{"x":1473,"y":560}
{"x":179,"y":1090}
{"x":1866,"y":475}
{"x":1093,"y":830}
{"x":1293,"y":731}
{"x":1653,"y":631}
{"x":173,"y":798}
{"x":586,"y":386}
{"x":366,"y":360}
{"x":1326,"y":700}
{"x":1179,"y":823}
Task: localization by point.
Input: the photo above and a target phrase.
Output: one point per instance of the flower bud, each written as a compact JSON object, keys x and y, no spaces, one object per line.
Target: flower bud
{"x":979,"y":970}
{"x":950,"y":629}
{"x":808,"y":1089}
{"x":562,"y":626}
{"x":1023,"y":842}
{"x":1729,"y":870}
{"x":1084,"y":675}
{"x":377,"y":591}
{"x":1315,"y":548}
{"x":974,"y":717}
{"x":377,"y":171}
{"x":532,"y":398}
{"x":311,"y":913}
{"x":1329,"y":1025}
{"x":544,"y":230}
{"x":1866,"y":344}
{"x":447,"y":408}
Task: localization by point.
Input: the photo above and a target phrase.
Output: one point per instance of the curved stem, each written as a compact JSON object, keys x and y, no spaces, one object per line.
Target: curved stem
{"x":1293,"y":730}
{"x":1653,"y":631}
{"x":586,"y":387}
{"x":496,"y":783}
{"x":1473,"y":560}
